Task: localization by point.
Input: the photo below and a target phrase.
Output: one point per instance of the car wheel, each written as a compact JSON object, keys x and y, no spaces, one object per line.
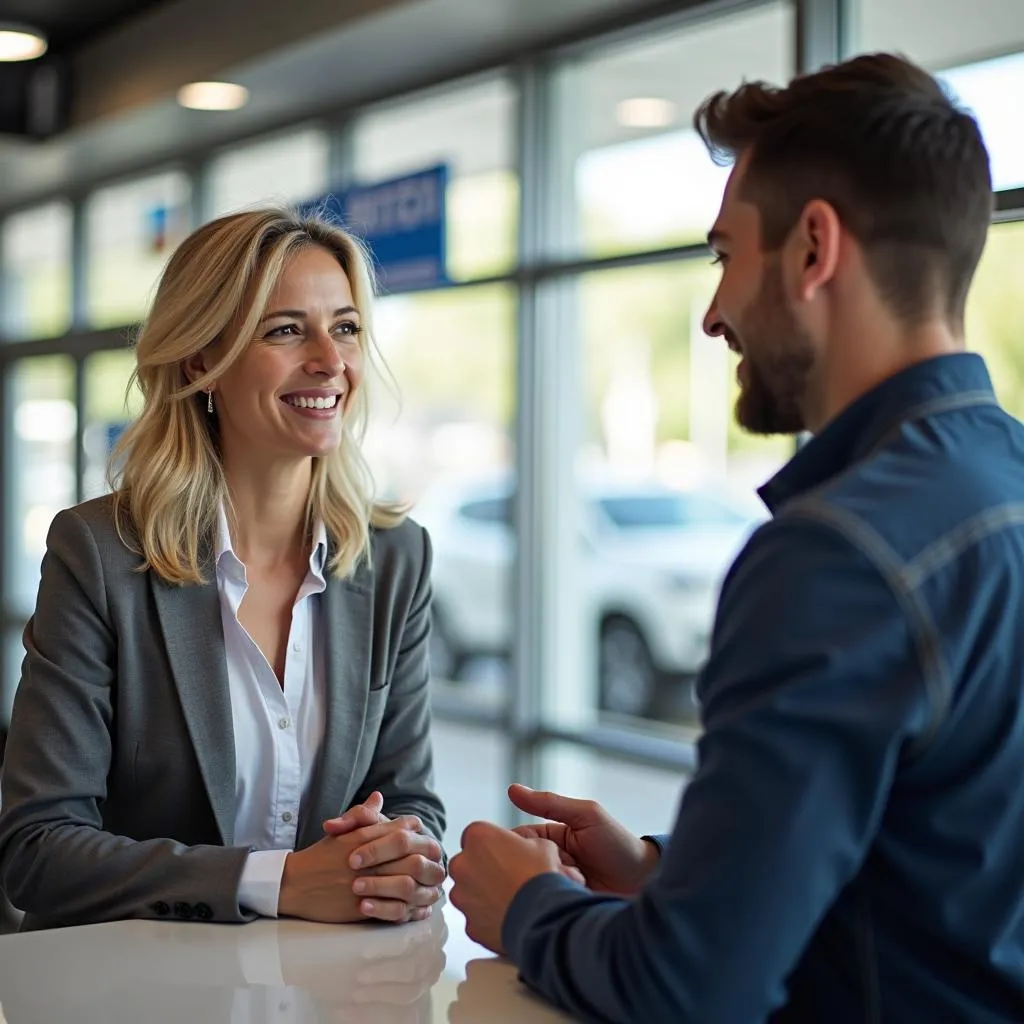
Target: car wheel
{"x":626,"y":672}
{"x":446,"y":662}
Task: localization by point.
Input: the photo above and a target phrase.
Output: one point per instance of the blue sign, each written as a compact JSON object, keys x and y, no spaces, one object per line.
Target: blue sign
{"x":113,"y":433}
{"x":403,"y":223}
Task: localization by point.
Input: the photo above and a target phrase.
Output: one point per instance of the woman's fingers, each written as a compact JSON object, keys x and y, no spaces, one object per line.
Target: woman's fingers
{"x":394,"y":845}
{"x":400,"y":888}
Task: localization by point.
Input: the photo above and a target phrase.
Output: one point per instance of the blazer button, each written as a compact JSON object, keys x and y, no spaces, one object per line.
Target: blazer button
{"x":203,"y":911}
{"x":161,"y":908}
{"x":183,"y":910}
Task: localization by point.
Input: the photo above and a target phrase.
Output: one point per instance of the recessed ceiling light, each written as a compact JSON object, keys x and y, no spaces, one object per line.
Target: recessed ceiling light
{"x":20,"y":42}
{"x":646,"y":112}
{"x":213,"y":96}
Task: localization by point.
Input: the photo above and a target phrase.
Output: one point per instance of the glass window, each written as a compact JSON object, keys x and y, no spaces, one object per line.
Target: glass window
{"x":470,"y":795}
{"x":991,"y":89}
{"x":445,"y":408}
{"x":131,"y":229}
{"x":995,"y":312}
{"x":659,"y":392}
{"x":36,"y":262}
{"x":644,"y":799}
{"x":672,"y":478}
{"x":498,"y":510}
{"x":639,"y":176}
{"x":668,"y":511}
{"x":471,"y":129}
{"x":282,"y":169}
{"x":40,"y":473}
{"x":109,"y":407}
{"x":441,"y":441}
{"x":939,"y":33}
{"x":977,"y":55}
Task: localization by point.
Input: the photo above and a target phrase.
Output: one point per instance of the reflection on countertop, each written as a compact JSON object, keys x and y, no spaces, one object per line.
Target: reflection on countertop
{"x":286,"y":972}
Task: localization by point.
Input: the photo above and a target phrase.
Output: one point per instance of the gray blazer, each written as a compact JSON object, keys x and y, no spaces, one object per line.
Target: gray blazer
{"x":119,"y":778}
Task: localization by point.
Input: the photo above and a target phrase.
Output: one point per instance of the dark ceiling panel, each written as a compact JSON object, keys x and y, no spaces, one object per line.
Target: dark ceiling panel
{"x":35,"y":96}
{"x":71,"y":22}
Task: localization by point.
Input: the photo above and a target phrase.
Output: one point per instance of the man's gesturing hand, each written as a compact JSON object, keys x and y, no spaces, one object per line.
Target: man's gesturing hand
{"x":610,"y":858}
{"x":493,"y":866}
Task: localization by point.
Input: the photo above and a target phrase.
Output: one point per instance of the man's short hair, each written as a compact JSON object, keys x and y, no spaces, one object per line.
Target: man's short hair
{"x":879,"y":139}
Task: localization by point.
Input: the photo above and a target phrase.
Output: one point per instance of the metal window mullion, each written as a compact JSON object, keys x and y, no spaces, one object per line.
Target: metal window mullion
{"x":341,"y":154}
{"x":198,"y":172}
{"x":79,"y":322}
{"x":549,"y":653}
{"x":80,"y":398}
{"x":822,"y":30}
{"x":523,"y":708}
{"x":821,"y":38}
{"x":551,"y":657}
{"x":1009,"y":206}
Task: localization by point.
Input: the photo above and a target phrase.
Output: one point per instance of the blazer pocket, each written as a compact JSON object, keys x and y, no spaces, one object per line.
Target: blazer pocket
{"x":379,"y":677}
{"x":376,"y":701}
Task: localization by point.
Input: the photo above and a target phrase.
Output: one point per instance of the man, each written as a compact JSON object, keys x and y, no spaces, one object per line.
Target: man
{"x":851,"y":846}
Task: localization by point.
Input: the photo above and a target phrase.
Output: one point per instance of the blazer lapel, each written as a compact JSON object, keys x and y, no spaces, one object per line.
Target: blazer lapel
{"x":346,"y":626}
{"x":190,"y":620}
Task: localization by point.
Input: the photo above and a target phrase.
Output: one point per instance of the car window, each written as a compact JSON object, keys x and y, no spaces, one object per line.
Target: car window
{"x":664,"y":511}
{"x":488,"y":510}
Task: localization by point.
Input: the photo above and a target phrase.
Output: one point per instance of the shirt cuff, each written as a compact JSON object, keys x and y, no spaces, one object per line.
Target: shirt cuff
{"x":536,"y":894}
{"x":260,"y":886}
{"x":658,"y":841}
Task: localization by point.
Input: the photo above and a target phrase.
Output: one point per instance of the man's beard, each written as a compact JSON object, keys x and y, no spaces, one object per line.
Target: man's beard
{"x":778,"y":363}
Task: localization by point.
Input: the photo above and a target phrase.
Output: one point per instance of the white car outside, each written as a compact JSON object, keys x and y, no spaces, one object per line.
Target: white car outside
{"x":654,"y":560}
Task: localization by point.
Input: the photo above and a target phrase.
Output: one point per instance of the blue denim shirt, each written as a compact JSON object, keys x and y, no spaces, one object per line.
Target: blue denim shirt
{"x":851,"y":846}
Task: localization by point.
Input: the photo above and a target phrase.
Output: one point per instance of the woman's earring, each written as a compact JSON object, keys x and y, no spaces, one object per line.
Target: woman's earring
{"x":209,"y":402}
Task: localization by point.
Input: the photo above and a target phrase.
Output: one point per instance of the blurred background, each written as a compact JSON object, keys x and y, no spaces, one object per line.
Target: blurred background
{"x":528,"y":178}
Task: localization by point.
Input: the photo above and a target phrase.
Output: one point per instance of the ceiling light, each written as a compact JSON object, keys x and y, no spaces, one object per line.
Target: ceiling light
{"x":646,"y":112}
{"x":213,"y":96}
{"x":19,"y":42}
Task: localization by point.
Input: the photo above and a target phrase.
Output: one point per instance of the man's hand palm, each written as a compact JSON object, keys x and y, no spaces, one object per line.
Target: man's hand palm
{"x":581,"y":850}
{"x":610,"y":858}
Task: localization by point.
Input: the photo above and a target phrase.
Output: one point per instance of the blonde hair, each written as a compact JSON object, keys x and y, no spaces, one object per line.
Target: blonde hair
{"x":169,"y":481}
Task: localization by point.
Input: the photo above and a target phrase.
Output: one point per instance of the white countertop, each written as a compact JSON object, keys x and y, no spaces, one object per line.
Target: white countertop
{"x":267,"y":972}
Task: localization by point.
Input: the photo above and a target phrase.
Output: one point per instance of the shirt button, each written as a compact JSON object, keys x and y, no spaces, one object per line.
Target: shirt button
{"x":297,"y":646}
{"x":283,"y":723}
{"x":286,"y":817}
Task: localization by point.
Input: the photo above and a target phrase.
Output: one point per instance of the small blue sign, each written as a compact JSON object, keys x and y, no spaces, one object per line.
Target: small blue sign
{"x":402,"y":220}
{"x":113,"y":433}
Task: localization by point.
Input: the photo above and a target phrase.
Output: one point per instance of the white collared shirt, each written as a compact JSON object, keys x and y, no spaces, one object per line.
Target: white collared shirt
{"x":278,"y":730}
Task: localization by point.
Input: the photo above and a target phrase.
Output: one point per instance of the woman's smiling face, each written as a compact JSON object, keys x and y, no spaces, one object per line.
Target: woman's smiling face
{"x":288,"y":392}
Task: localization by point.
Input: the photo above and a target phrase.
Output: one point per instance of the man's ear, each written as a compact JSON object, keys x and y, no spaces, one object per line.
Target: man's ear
{"x":816,"y":240}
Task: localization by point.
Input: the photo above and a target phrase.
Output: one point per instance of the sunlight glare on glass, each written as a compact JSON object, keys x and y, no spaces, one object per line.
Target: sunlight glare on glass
{"x":992,"y":90}
{"x":675,"y":188}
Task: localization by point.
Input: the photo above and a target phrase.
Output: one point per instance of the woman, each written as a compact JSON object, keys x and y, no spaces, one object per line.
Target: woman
{"x":232,"y":647}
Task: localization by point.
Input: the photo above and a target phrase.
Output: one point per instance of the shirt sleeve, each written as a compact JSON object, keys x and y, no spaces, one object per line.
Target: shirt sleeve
{"x":260,"y":887}
{"x":812,"y":689}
